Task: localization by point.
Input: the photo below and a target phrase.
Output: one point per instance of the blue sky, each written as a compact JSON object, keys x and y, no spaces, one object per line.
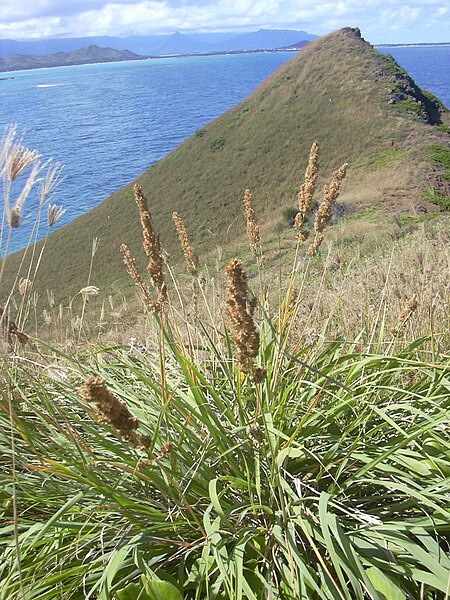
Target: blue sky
{"x":381,"y":21}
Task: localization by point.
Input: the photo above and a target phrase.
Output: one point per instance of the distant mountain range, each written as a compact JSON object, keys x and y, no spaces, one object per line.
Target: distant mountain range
{"x":161,"y":45}
{"x":91,"y":54}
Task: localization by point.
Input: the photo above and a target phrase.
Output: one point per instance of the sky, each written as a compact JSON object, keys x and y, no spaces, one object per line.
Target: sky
{"x":380,"y":21}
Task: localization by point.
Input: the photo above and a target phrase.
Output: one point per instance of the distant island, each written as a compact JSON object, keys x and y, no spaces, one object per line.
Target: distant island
{"x":94,"y":54}
{"x":91,"y":54}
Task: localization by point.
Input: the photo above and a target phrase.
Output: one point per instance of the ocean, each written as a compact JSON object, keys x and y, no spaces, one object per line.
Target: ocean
{"x":108,"y":123}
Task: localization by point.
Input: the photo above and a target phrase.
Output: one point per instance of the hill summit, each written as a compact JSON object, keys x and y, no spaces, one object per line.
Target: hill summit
{"x":359,"y":104}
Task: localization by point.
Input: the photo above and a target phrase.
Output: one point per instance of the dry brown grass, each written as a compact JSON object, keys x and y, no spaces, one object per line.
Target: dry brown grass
{"x":356,"y":286}
{"x":361,"y":289}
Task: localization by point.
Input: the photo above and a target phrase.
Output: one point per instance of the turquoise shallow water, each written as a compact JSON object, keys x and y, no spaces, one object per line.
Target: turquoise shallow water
{"x":107,"y":123}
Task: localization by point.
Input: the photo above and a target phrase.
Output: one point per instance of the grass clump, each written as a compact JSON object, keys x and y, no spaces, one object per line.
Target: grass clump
{"x":441,"y":155}
{"x":387,"y":157}
{"x":245,"y":110}
{"x":200,"y":132}
{"x":288,"y":215}
{"x":231,"y":458}
{"x":410,"y":106}
{"x":217,"y":144}
{"x":443,"y":128}
{"x":435,"y":196}
{"x":391,"y":66}
{"x":289,"y":487}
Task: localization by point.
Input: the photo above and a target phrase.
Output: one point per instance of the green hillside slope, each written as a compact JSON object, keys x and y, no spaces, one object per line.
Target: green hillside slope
{"x":361,"y":107}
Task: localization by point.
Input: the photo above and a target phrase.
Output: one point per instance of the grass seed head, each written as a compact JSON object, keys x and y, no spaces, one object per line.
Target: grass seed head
{"x":306,"y":191}
{"x":113,"y":411}
{"x":405,"y":315}
{"x":188,"y":251}
{"x":8,"y":328}
{"x":13,"y":215}
{"x":135,"y":275}
{"x":330,"y":195}
{"x":89,"y":290}
{"x":252,"y":224}
{"x":6,"y":145}
{"x":24,"y":285}
{"x":14,"y":218}
{"x":239,"y":309}
{"x":50,"y":181}
{"x":325,"y":210}
{"x":332,"y":189}
{"x":152,"y":247}
{"x":19,"y":159}
{"x":315,"y":245}
{"x":54,"y":213}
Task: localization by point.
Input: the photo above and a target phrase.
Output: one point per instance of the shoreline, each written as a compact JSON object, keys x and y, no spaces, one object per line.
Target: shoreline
{"x":143,"y":58}
{"x":213,"y":53}
{"x":418,"y":45}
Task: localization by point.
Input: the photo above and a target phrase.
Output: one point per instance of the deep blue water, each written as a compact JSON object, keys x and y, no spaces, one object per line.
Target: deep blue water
{"x":108,"y":123}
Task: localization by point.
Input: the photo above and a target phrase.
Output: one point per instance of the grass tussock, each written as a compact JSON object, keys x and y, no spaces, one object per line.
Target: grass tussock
{"x":268,"y":440}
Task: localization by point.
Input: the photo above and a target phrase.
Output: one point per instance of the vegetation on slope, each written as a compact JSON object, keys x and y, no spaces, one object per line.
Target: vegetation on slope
{"x":338,"y":89}
{"x":327,"y":480}
{"x":236,"y":461}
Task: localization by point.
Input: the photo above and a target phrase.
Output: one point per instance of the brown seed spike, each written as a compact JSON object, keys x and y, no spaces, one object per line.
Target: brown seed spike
{"x":306,"y":191}
{"x":188,"y":251}
{"x":148,"y":232}
{"x":315,"y":245}
{"x":325,"y":210}
{"x":112,"y":411}
{"x":135,"y":275}
{"x":54,"y":213}
{"x":14,"y":218}
{"x":239,"y":309}
{"x":152,"y":246}
{"x":10,"y":328}
{"x":405,"y":315}
{"x":252,"y":224}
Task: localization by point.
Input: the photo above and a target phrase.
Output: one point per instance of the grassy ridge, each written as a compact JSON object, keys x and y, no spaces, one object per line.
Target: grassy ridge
{"x":337,"y":90}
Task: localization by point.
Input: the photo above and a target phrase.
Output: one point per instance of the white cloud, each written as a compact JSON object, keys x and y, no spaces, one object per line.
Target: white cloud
{"x":413,"y":20}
